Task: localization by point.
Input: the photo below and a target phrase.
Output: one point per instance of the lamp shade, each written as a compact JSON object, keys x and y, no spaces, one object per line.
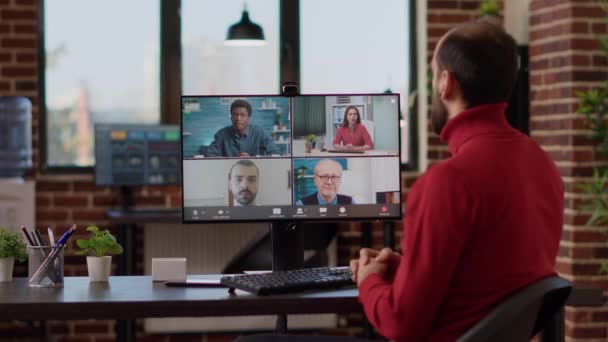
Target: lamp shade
{"x":245,"y":33}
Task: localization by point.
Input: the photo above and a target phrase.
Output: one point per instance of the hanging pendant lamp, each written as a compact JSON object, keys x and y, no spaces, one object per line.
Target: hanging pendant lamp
{"x":245,"y":32}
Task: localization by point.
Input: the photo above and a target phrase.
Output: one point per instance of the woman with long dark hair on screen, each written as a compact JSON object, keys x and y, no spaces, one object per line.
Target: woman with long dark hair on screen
{"x":352,"y":135}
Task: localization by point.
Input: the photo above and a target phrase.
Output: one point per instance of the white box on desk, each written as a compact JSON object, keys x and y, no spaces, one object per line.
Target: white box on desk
{"x":164,"y":269}
{"x":17,"y":203}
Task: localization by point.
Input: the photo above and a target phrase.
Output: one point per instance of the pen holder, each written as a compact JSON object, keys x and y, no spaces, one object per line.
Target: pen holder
{"x":45,"y":266}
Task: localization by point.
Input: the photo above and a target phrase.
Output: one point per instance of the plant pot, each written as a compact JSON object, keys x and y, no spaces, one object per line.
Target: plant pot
{"x":6,"y":269}
{"x":99,"y":268}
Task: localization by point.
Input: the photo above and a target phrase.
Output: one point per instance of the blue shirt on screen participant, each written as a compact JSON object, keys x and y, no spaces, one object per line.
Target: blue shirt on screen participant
{"x":242,"y":139}
{"x":228,"y":143}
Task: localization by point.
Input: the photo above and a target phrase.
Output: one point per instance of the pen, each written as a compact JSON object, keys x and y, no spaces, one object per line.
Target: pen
{"x":51,"y":236}
{"x":66,"y":235}
{"x":52,"y":243}
{"x":27,"y":236}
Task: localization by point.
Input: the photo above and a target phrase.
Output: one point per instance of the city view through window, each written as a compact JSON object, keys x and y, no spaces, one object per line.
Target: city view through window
{"x":97,"y":72}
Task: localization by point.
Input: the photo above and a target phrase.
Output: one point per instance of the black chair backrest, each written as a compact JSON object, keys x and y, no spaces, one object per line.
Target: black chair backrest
{"x":523,"y":314}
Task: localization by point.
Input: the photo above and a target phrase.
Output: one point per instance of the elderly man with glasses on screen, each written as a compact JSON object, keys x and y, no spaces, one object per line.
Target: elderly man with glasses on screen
{"x":327,"y":176}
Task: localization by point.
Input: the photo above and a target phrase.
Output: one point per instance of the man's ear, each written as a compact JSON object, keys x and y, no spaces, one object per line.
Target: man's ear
{"x":448,"y":84}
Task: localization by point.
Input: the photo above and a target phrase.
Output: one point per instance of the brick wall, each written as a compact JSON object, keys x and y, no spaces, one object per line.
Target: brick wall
{"x":564,"y":58}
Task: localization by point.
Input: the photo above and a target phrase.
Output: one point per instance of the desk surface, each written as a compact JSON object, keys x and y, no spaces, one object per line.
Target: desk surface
{"x":129,"y":297}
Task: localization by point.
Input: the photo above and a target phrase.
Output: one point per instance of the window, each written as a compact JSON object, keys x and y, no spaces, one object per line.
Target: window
{"x":209,"y":67}
{"x":357,"y":46}
{"x":102,"y":61}
{"x":101,"y":65}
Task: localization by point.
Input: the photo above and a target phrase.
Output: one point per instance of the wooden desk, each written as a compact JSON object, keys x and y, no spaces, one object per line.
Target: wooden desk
{"x":130,"y":297}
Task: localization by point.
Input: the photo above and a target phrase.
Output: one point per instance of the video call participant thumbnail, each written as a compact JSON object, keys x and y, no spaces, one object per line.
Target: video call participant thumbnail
{"x":352,"y":135}
{"x":243,"y":183}
{"x":327,"y":178}
{"x":242,"y":139}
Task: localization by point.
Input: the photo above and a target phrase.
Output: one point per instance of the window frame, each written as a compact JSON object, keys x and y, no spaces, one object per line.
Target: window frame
{"x":170,"y":73}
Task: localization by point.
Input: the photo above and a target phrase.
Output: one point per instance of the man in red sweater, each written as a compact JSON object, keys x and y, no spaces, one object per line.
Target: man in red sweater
{"x":479,"y":225}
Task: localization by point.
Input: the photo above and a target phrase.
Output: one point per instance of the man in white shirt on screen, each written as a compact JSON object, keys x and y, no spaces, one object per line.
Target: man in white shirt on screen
{"x":243,"y":180}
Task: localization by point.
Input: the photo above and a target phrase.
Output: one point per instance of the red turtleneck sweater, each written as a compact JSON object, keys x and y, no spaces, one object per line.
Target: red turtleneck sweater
{"x":478,"y":226}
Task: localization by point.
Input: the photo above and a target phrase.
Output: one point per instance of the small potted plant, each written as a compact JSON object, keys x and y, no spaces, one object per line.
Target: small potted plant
{"x":311,"y":142}
{"x":99,"y":249}
{"x":489,"y":10}
{"x":12,"y":247}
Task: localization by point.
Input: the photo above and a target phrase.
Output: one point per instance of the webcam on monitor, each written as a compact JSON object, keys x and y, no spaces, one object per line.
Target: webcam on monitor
{"x":290,"y":88}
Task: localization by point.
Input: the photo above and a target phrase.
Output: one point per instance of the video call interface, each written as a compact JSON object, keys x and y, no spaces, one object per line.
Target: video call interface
{"x":247,"y":158}
{"x":130,"y":154}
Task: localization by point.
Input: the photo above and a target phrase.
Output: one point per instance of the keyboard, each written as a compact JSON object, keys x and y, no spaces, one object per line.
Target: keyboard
{"x":290,"y":281}
{"x":346,"y":151}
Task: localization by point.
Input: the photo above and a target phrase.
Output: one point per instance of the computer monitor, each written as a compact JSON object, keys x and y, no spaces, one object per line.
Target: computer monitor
{"x":132,"y":155}
{"x":302,"y":158}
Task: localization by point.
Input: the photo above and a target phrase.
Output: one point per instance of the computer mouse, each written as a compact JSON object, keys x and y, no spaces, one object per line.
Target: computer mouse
{"x":323,"y":150}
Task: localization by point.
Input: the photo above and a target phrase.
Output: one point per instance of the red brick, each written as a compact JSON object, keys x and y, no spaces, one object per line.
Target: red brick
{"x":585,"y":332}
{"x":71,"y":201}
{"x":89,"y":215}
{"x":26,"y":43}
{"x":578,"y":316}
{"x":52,"y":186}
{"x":51,"y":215}
{"x":599,"y":316}
{"x":6,"y":57}
{"x":23,"y":86}
{"x":441,"y":4}
{"x":14,"y":14}
{"x":587,"y":12}
{"x":14,"y":71}
{"x":25,"y":2}
{"x":42,"y":201}
{"x":5,"y":28}
{"x":5,"y":86}
{"x":106,"y":200}
{"x":24,"y":57}
{"x":582,"y":236}
{"x":25,"y":28}
{"x":150,"y":200}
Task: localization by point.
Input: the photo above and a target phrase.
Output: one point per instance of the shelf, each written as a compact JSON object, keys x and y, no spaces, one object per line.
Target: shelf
{"x":268,"y":108}
{"x":281,"y":131}
{"x":186,"y":134}
{"x":282,"y":142}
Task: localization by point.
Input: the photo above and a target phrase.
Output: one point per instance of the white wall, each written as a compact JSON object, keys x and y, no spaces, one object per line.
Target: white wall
{"x":206,"y":182}
{"x":367,"y":176}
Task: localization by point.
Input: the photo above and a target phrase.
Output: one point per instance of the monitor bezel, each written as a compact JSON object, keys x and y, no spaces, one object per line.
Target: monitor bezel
{"x":293,"y":219}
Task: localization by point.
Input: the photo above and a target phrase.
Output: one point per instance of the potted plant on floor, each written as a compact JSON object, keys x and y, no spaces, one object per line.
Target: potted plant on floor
{"x":12,"y":247}
{"x":99,"y":249}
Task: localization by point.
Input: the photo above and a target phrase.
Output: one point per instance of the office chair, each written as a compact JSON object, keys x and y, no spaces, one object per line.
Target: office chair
{"x":523,"y":314}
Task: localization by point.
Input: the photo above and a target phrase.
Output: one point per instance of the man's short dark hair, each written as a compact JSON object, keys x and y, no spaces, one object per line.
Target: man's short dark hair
{"x":241,"y":104}
{"x":246,"y":163}
{"x":484,"y":61}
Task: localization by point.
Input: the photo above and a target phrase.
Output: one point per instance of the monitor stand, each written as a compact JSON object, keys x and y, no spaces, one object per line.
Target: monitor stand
{"x":287,"y":254}
{"x":287,"y":246}
{"x":126,"y":234}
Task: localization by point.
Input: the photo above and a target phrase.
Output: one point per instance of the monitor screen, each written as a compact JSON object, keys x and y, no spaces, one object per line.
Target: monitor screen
{"x":308,"y":157}
{"x":129,"y":155}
